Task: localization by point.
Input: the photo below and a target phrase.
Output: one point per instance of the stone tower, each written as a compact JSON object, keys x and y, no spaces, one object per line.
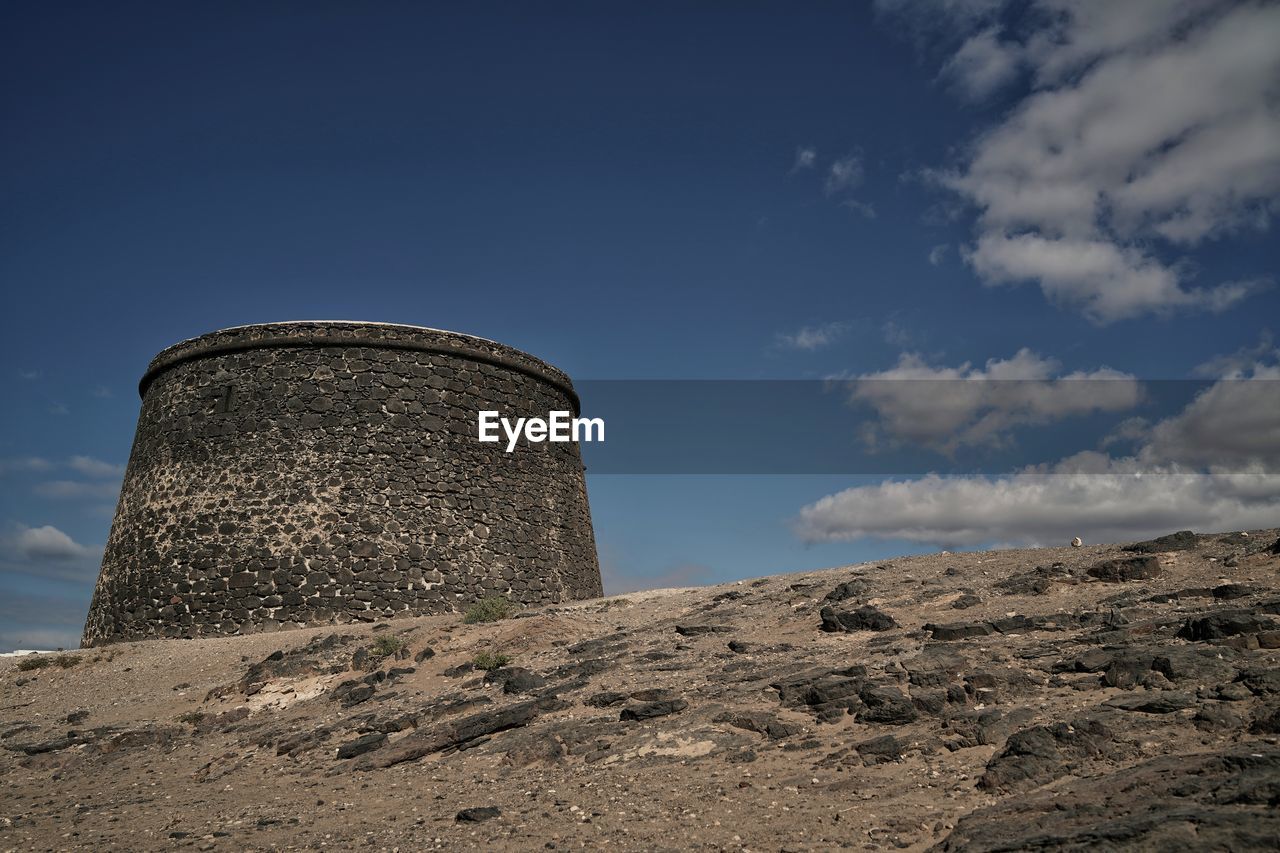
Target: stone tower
{"x":302,"y":473}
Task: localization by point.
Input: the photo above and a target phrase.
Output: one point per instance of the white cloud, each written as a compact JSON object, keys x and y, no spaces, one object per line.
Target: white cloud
{"x":48,"y":543}
{"x":844,"y":174}
{"x":48,"y":553}
{"x":949,"y":407}
{"x":1233,"y":423}
{"x":91,"y":467}
{"x":106,"y":475}
{"x":895,"y":334}
{"x":982,"y":65}
{"x":863,"y":207}
{"x":1152,"y":126}
{"x":938,"y":253}
{"x":1243,"y":361}
{"x":77,"y":489}
{"x":1105,"y":281}
{"x":1091,"y":495}
{"x":1104,"y":28}
{"x":24,"y":463}
{"x":806,"y":157}
{"x":939,"y":19}
{"x":811,"y":337}
{"x":1129,"y":430}
{"x":1213,"y":466}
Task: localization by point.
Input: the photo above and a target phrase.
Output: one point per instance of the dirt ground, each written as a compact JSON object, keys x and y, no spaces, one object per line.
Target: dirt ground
{"x":1019,"y":699}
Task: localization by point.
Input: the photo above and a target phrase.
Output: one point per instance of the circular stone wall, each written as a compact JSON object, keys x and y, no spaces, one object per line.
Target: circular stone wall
{"x":294,"y":474}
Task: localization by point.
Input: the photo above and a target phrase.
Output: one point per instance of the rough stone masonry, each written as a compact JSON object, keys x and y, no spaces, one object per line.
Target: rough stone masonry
{"x":301,"y":473}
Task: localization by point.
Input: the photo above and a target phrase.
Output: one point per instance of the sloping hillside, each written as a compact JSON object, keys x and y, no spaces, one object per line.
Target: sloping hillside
{"x":1086,"y":698}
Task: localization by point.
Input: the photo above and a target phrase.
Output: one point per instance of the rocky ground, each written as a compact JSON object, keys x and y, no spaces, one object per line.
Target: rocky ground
{"x":1071,"y":698}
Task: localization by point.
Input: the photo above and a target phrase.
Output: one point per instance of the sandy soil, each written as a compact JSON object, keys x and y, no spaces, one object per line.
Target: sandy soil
{"x":753,"y":729}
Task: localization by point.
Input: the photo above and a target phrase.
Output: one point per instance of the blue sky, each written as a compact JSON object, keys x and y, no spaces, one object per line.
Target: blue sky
{"x":961,"y":190}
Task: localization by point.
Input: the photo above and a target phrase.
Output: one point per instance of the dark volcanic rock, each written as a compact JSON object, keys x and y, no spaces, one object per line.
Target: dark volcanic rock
{"x":297,"y":742}
{"x":886,"y":705}
{"x":8,"y":730}
{"x":1230,"y":591}
{"x":959,"y":630}
{"x":654,"y":694}
{"x":1220,"y":801}
{"x":598,"y":646}
{"x":765,"y":724}
{"x":1000,"y":683}
{"x":315,"y":658}
{"x":476,"y":814}
{"x":220,"y":722}
{"x":515,"y":679}
{"x":1129,"y":666}
{"x":1041,"y":754}
{"x":1182,"y":664}
{"x":361,"y":745}
{"x":699,"y":630}
{"x":73,"y":737}
{"x":865,"y":618}
{"x":583,"y":668}
{"x":1261,"y":681}
{"x":1189,"y":592}
{"x":1233,"y":692}
{"x":965,"y":601}
{"x":1038,"y":581}
{"x":1226,"y":623}
{"x":1127,"y":669}
{"x":937,"y":666}
{"x":357,"y":694}
{"x":828,"y":693}
{"x":880,"y":750}
{"x":1124,"y":569}
{"x":101,"y":739}
{"x":994,"y":726}
{"x":849,"y":589}
{"x":1215,"y":717}
{"x":460,"y":670}
{"x":454,"y":735}
{"x":1152,"y":703}
{"x":1268,"y":723}
{"x":1180,"y":541}
{"x":605,"y":699}
{"x":1093,"y":660}
{"x":929,"y":701}
{"x":650,"y":710}
{"x":1010,"y":624}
